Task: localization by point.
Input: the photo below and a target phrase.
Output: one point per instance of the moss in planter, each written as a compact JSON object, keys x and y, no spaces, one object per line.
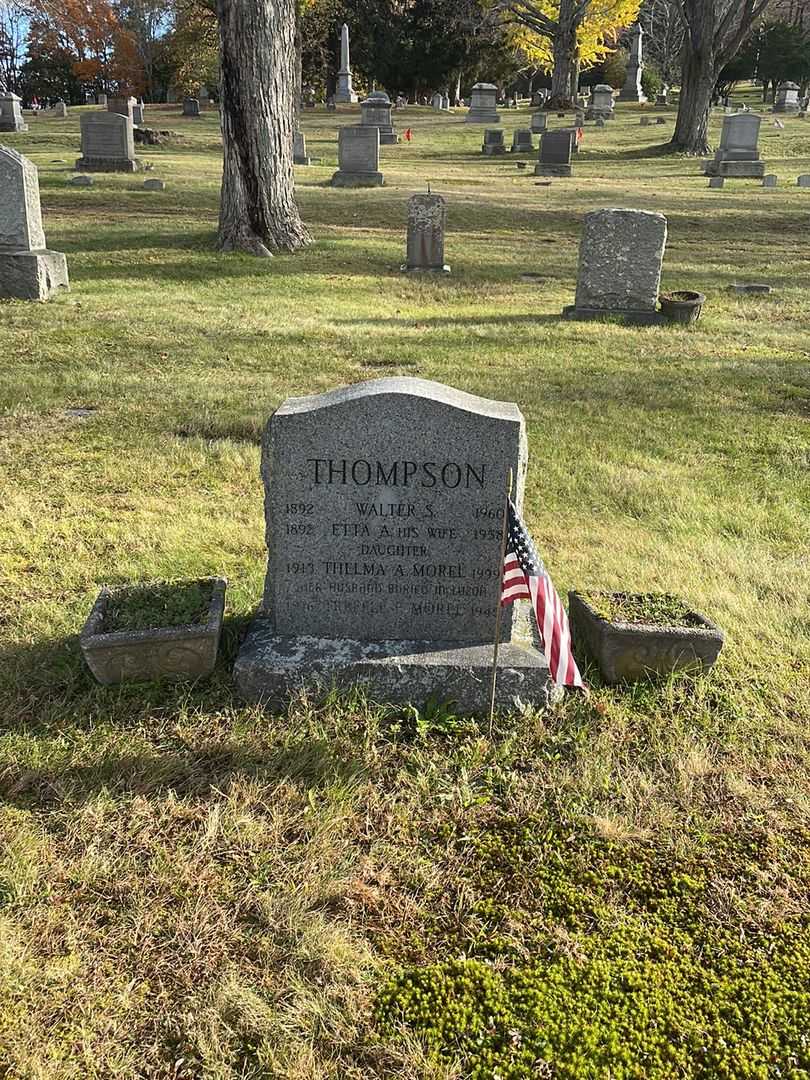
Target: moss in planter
{"x":157,"y":606}
{"x":648,"y":609}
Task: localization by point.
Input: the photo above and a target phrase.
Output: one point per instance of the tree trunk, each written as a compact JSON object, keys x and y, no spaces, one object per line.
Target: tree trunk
{"x":564,"y":51}
{"x":258,"y":213}
{"x":694,"y":104}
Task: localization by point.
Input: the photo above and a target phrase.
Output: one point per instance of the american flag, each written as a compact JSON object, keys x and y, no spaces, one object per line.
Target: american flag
{"x":525,"y":578}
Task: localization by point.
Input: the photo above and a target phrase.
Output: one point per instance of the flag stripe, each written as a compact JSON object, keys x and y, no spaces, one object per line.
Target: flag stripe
{"x":525,"y":578}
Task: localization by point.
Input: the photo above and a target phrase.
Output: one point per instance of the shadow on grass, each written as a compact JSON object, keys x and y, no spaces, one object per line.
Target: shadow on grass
{"x":46,"y":685}
{"x":210,"y":768}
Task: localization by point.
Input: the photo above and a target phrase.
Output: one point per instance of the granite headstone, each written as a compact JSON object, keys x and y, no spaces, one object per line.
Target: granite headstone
{"x":427,"y":217}
{"x":555,"y":153}
{"x":384,"y":508}
{"x":483,"y":105}
{"x":108,"y":143}
{"x":620,"y":258}
{"x":358,"y":158}
{"x":28,"y":270}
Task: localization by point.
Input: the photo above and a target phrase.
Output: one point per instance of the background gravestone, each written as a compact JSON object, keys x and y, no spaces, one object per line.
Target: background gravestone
{"x":738,"y":154}
{"x":427,"y":217}
{"x":600,"y":105}
{"x":191,"y":106}
{"x":631,"y":91}
{"x":28,"y":271}
{"x":11,"y":117}
{"x":358,"y":158}
{"x":787,"y":98}
{"x":123,"y":105}
{"x":375,"y":111}
{"x":383,"y":505}
{"x":137,"y":113}
{"x":108,"y":143}
{"x":555,"y":153}
{"x":522,"y":141}
{"x":493,"y":145}
{"x":300,"y":156}
{"x":345,"y":92}
{"x":539,"y":122}
{"x":482,"y":107}
{"x":619,"y":273}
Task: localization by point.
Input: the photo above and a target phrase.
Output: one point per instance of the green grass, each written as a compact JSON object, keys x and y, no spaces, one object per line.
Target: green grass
{"x":617,"y":888}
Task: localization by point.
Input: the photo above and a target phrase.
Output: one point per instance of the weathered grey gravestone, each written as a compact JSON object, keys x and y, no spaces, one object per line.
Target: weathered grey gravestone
{"x":358,"y":158}
{"x":154,"y":185}
{"x":522,"y":142}
{"x":631,"y":91}
{"x":482,"y":108}
{"x":620,"y":259}
{"x":101,"y":99}
{"x":191,"y":106}
{"x":716,"y":181}
{"x":539,"y":122}
{"x":375,"y":111}
{"x":123,"y":105}
{"x":11,"y":117}
{"x":427,"y":216}
{"x":804,"y":180}
{"x":28,"y":271}
{"x":60,"y":111}
{"x":770,"y":181}
{"x":300,"y":156}
{"x":787,"y":98}
{"x":662,"y":97}
{"x":493,"y":144}
{"x":737,"y":154}
{"x":108,"y":143}
{"x":383,"y":506}
{"x":555,"y":153}
{"x":600,"y":105}
{"x":137,"y":113}
{"x":345,"y":93}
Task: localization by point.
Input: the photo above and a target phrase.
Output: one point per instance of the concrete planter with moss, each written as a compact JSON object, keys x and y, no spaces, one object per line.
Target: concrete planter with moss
{"x":632,"y":636}
{"x":166,"y":631}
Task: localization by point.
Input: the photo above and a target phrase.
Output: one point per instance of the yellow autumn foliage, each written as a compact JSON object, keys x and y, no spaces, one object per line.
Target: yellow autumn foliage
{"x":595,"y":37}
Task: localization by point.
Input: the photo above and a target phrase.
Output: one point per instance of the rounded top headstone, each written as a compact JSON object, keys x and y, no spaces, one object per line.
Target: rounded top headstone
{"x":485,"y":86}
{"x":380,"y":96}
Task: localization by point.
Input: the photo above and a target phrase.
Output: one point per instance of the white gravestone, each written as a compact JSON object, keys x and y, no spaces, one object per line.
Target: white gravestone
{"x":28,"y":270}
{"x":738,"y":153}
{"x":600,"y":105}
{"x":384,"y":507}
{"x":344,"y":94}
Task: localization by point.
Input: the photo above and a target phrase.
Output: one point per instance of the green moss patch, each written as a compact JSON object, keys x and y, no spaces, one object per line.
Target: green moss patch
{"x":158,"y":605}
{"x":622,"y":968}
{"x":648,"y":609}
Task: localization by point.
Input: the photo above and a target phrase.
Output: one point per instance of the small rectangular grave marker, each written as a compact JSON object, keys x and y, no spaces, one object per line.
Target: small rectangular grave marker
{"x":358,"y":158}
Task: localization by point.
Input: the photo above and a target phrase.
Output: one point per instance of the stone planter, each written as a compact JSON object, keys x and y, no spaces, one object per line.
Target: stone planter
{"x":177,"y":652}
{"x":682,"y":307}
{"x":628,"y":652}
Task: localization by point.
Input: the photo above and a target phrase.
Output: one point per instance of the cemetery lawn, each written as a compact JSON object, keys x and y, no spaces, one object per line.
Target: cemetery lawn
{"x":615,"y":889}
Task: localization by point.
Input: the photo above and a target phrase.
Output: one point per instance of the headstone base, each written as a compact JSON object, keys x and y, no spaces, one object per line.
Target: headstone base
{"x":746,"y":170}
{"x":32,"y":275}
{"x":353,"y":179}
{"x":628,"y":315}
{"x":492,"y":150}
{"x":552,"y":170}
{"x":87,"y":164}
{"x":270,"y":669}
{"x":299,"y":160}
{"x":599,"y":114}
{"x":388,"y":138}
{"x":20,"y":128}
{"x":482,"y":116}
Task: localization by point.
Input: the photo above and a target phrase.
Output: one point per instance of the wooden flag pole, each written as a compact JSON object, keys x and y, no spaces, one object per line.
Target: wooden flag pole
{"x":499,"y":608}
